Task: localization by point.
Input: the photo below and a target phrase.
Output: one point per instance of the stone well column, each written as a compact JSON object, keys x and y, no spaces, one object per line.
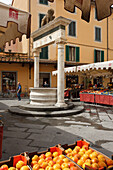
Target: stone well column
{"x":36,"y":66}
{"x":60,"y":76}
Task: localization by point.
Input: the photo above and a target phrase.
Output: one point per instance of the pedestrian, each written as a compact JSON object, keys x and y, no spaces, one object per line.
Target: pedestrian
{"x":45,"y":84}
{"x":18,"y":91}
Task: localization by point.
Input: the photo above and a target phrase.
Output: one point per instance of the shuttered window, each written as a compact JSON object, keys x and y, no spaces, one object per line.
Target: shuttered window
{"x":98,"y":56}
{"x":72,"y":53}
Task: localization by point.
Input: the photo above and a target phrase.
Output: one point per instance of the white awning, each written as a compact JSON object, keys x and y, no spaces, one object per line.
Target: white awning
{"x":90,"y":69}
{"x":13,"y":24}
{"x":66,"y":70}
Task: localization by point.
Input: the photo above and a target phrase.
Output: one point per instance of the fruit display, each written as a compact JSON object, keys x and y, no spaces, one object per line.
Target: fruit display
{"x":20,"y":165}
{"x":98,"y":91}
{"x":84,"y":156}
{"x":52,"y":161}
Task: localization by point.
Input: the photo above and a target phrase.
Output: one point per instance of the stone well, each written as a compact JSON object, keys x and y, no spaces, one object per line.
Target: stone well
{"x":43,"y":96}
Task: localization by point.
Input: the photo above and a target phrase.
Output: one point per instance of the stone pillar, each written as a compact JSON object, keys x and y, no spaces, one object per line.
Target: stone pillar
{"x":36,"y":67}
{"x":60,"y":75}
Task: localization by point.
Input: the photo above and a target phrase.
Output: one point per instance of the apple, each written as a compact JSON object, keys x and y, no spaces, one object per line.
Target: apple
{"x":36,"y":167}
{"x":48,"y":159}
{"x":4,"y":167}
{"x":42,"y":156}
{"x":55,"y":159}
{"x":51,"y":163}
{"x":59,"y":161}
{"x":56,"y":166}
{"x":48,"y":154}
{"x":44,"y":164}
{"x":80,"y":162}
{"x":40,"y":161}
{"x":94,"y":160}
{"x":95,"y":166}
{"x":66,"y":160}
{"x":61,"y":156}
{"x":12,"y":168}
{"x":70,"y":164}
{"x":109,"y":162}
{"x":77,"y":148}
{"x":35,"y":158}
{"x":73,"y":168}
{"x":75,"y":158}
{"x":19,"y":164}
{"x":85,"y":147}
{"x":102,"y":164}
{"x":33,"y":163}
{"x":55,"y":154}
{"x":25,"y":167}
{"x":64,"y":165}
{"x":49,"y":168}
{"x":86,"y":163}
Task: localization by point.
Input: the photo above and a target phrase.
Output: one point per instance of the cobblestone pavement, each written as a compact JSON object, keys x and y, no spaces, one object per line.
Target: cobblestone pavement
{"x":23,"y":133}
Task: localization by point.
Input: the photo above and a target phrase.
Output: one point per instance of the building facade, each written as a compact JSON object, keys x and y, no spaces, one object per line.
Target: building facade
{"x":86,"y":42}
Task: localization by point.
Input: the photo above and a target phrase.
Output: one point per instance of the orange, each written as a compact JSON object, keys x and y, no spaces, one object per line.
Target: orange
{"x":109,"y":162}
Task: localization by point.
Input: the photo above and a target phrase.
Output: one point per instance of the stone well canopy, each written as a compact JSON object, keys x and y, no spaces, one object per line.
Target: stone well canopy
{"x":103,"y":7}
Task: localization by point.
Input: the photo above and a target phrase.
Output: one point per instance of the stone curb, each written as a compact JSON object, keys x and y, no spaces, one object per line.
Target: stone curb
{"x":18,"y":111}
{"x":45,"y":108}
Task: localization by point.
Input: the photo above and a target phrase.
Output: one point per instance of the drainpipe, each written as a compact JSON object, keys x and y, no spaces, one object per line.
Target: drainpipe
{"x":30,"y":37}
{"x":107,"y":40}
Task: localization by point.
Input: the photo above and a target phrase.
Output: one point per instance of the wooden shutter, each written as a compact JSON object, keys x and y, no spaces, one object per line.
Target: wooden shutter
{"x":67,"y":53}
{"x":95,"y":57}
{"x":102,"y":56}
{"x":77,"y":54}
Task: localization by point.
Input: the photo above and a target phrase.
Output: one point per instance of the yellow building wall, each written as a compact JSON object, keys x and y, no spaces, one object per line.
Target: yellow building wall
{"x":22,"y":74}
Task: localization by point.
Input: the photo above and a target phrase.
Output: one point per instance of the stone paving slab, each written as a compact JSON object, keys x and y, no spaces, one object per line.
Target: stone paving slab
{"x":13,"y":134}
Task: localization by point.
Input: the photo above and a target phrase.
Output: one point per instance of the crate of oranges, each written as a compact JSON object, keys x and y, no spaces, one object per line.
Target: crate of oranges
{"x":86,"y":157}
{"x":18,"y":162}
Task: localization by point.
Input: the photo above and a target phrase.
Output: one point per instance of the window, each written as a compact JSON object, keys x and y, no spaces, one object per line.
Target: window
{"x":40,"y":18}
{"x":97,"y":34}
{"x":8,"y":82}
{"x":72,"y":29}
{"x":44,"y":53}
{"x":98,"y":56}
{"x":44,"y":77}
{"x":95,"y":13}
{"x":72,"y":53}
{"x":45,"y":2}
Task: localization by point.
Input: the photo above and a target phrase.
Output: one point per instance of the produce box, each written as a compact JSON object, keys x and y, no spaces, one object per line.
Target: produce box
{"x":14,"y":163}
{"x":86,"y":157}
{"x":51,"y":159}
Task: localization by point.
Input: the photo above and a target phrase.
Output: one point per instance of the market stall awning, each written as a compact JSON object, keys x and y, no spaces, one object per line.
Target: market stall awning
{"x":13,"y":24}
{"x":94,"y":69}
{"x":66,"y":70}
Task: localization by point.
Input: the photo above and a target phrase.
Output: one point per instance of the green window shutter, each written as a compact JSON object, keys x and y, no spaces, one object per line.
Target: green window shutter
{"x":95,"y":58}
{"x":40,"y":18}
{"x":77,"y":54}
{"x":44,"y":53}
{"x":102,"y":56}
{"x":67,"y":53}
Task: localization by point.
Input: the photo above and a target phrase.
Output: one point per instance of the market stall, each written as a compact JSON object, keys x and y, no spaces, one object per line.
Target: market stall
{"x":100,"y":75}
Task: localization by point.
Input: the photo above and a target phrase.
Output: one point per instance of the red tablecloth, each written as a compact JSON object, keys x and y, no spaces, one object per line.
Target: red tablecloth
{"x":96,"y":98}
{"x":87,"y":97}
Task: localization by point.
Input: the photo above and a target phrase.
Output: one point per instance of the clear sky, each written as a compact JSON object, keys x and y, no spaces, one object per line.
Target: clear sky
{"x":6,"y":1}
